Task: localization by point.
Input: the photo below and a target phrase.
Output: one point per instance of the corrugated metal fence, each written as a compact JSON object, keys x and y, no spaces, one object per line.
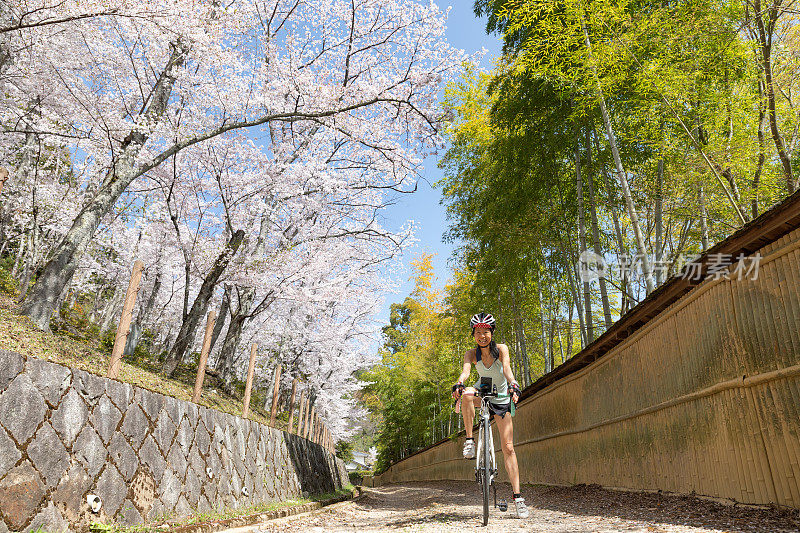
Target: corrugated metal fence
{"x":703,"y":397}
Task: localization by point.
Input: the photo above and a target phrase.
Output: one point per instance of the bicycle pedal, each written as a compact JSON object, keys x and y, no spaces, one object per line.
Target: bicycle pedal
{"x":502,"y":505}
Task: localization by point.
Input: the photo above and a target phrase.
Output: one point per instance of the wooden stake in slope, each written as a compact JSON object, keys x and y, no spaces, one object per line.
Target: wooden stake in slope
{"x":300,"y":406}
{"x":249,"y":386}
{"x":201,"y":367}
{"x":307,"y":418}
{"x":3,"y":177}
{"x":276,"y":389}
{"x":291,"y":406}
{"x":115,"y":364}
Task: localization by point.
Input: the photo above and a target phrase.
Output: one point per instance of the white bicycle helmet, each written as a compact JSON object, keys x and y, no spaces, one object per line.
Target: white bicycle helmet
{"x":482,"y":320}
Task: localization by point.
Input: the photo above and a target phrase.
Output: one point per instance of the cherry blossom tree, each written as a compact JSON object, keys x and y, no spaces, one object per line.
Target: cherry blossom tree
{"x":132,"y":92}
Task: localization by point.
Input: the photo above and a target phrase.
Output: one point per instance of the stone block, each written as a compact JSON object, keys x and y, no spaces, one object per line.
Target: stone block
{"x":9,"y":453}
{"x":157,"y":512}
{"x":120,"y":393}
{"x":128,"y":515}
{"x":240,"y":440}
{"x":219,"y":439}
{"x":123,"y":457}
{"x":22,"y":409}
{"x":21,"y":493}
{"x":177,"y":460}
{"x":184,"y":436}
{"x":105,"y":418}
{"x":196,"y":462}
{"x":202,"y":440}
{"x":51,"y":379}
{"x":192,"y":487}
{"x":143,"y":490}
{"x":70,"y":417}
{"x":169,"y":490}
{"x":182,"y":507}
{"x":151,"y":403}
{"x":135,"y":426}
{"x":150,"y":456}
{"x":176,"y":409}
{"x":70,"y":495}
{"x":192,"y":414}
{"x":210,"y":490}
{"x":48,"y":455}
{"x":11,"y":365}
{"x":90,"y":451}
{"x":88,"y":385}
{"x":165,"y":431}
{"x":49,"y":520}
{"x":111,"y":489}
{"x":202,"y":504}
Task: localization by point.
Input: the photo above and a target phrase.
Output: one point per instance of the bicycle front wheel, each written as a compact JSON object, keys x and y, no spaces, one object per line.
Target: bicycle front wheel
{"x":486,"y":470}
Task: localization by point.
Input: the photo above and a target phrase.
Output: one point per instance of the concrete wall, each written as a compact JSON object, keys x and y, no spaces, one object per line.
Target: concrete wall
{"x":66,"y":433}
{"x":705,"y":397}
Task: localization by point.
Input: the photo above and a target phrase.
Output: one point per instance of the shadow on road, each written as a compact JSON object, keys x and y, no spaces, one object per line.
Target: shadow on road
{"x":588,"y":502}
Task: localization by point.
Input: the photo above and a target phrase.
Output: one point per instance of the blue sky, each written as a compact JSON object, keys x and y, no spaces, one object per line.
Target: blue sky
{"x":464,"y":31}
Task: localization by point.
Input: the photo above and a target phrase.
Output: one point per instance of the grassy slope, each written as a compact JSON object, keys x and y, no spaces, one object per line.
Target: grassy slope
{"x":19,"y":335}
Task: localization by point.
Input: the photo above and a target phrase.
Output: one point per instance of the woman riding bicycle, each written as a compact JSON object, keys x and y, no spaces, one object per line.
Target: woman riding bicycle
{"x":491,"y":360}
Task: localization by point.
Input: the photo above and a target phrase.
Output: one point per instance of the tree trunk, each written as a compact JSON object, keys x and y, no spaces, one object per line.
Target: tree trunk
{"x":659,"y":208}
{"x":587,"y":293}
{"x":111,"y":308}
{"x":761,"y":157}
{"x":59,"y":269}
{"x":222,"y":315}
{"x":144,"y":311}
{"x":621,"y":175}
{"x":703,"y":221}
{"x":765,"y":47}
{"x":547,"y":367}
{"x":520,"y":335}
{"x":596,"y":232}
{"x":575,"y":292}
{"x":189,"y":326}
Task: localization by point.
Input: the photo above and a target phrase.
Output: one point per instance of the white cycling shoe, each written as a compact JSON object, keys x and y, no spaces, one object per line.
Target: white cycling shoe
{"x":469,"y":449}
{"x":522,"y":509}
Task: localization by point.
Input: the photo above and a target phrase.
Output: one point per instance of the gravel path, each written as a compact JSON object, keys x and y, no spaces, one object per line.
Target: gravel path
{"x":450,"y":506}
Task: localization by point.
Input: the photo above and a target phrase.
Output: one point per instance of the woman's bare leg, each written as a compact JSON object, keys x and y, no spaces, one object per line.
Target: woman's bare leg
{"x":468,"y":403}
{"x":505,"y":428}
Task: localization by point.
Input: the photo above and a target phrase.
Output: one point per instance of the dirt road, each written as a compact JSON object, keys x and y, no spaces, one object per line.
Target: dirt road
{"x":454,"y":507}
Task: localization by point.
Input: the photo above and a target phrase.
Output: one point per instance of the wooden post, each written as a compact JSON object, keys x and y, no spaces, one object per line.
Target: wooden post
{"x":3,"y":177}
{"x":249,"y":386}
{"x":291,"y":406}
{"x":201,"y":367}
{"x":115,"y":364}
{"x":300,"y":408}
{"x":276,"y":389}
{"x":305,"y":416}
{"x":309,"y":421}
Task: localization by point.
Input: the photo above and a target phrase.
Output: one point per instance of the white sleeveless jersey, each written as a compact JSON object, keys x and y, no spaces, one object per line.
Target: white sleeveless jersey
{"x":496,"y":373}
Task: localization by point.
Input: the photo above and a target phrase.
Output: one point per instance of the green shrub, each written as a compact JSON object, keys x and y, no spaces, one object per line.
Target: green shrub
{"x":107,"y":340}
{"x":357,"y":476}
{"x":8,"y":284}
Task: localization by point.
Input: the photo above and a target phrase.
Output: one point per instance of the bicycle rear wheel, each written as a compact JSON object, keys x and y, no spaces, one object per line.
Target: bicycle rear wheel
{"x":486,"y":470}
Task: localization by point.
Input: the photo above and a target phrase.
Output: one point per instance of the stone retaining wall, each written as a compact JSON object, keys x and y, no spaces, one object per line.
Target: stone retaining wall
{"x":66,"y":434}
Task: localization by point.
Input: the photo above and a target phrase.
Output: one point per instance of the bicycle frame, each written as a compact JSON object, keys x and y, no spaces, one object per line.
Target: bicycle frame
{"x":485,"y":427}
{"x":485,"y":459}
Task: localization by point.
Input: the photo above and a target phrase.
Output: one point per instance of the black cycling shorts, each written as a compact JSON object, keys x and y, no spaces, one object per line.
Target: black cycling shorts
{"x":499,"y":409}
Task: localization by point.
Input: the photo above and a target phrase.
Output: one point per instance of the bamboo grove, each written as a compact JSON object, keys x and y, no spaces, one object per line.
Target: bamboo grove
{"x":643,"y":132}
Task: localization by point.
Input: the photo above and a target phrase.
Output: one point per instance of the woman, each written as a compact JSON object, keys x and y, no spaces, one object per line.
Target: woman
{"x":491,"y":360}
